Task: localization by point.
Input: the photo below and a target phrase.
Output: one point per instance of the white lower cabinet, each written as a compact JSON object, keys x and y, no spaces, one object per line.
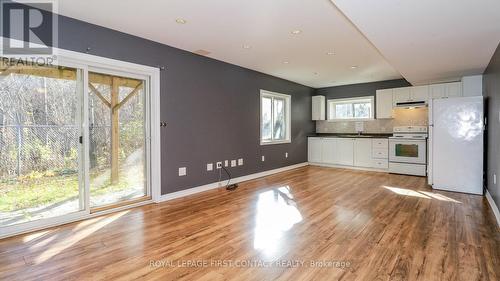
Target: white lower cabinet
{"x":380,"y":163}
{"x":330,"y":151}
{"x":354,"y":152}
{"x":314,"y":150}
{"x":362,"y":152}
{"x":345,"y":148}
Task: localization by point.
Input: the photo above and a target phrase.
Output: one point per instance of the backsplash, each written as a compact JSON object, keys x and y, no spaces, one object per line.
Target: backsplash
{"x":402,"y":117}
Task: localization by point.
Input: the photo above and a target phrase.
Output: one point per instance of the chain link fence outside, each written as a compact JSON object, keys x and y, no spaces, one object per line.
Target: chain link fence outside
{"x":28,"y":148}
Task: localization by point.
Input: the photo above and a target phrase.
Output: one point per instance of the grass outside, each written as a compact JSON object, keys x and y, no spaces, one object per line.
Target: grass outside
{"x":43,"y":189}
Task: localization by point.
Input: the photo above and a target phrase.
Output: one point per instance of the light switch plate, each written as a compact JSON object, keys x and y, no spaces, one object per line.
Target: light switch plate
{"x":182,"y":171}
{"x":240,"y":162}
{"x":226,"y":163}
{"x":210,"y":166}
{"x":233,"y":163}
{"x":286,"y":154}
{"x":263,"y":158}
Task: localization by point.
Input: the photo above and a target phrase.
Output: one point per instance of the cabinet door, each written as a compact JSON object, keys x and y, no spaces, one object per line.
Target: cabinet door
{"x":345,"y":152}
{"x":363,"y":153}
{"x":384,"y":103}
{"x":318,"y":108}
{"x":453,"y":89}
{"x":314,"y":150}
{"x":401,"y":95}
{"x":329,"y":152}
{"x":419,"y":93}
{"x":437,"y":91}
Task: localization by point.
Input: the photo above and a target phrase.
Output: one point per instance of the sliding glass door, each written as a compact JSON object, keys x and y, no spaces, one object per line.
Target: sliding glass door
{"x":74,"y":140}
{"x":117,"y":140}
{"x":40,"y":153}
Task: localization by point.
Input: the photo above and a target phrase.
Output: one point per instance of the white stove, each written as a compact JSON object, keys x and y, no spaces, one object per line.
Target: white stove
{"x":408,"y":150}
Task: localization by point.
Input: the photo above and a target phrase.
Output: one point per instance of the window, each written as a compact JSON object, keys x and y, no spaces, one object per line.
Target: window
{"x":350,"y":109}
{"x":274,"y":118}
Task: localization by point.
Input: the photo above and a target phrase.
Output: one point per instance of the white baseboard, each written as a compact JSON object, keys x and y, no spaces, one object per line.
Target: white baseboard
{"x":493,"y":206}
{"x":198,"y":189}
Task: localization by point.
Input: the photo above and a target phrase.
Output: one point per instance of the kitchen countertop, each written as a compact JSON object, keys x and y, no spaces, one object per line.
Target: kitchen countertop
{"x":349,"y":135}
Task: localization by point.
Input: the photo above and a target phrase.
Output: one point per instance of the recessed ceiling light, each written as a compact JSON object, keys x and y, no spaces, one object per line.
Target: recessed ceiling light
{"x":180,"y":21}
{"x":330,"y":53}
{"x":246,"y":46}
{"x":286,"y":62}
{"x":296,"y":31}
{"x":354,"y":67}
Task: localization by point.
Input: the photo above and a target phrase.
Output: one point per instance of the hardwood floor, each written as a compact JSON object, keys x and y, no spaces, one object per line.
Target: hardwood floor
{"x":373,"y":226}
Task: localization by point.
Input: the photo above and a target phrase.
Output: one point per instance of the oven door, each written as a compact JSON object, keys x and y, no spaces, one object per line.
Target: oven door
{"x":408,"y":151}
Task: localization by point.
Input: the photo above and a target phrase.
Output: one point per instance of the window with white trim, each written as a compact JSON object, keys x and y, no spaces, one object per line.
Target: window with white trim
{"x":351,"y":108}
{"x":274,"y":118}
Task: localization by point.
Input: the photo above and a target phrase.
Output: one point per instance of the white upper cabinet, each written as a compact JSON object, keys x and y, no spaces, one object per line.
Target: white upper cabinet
{"x":401,"y":95}
{"x":318,"y":108}
{"x":384,"y":103}
{"x":410,"y":94}
{"x":419,"y":93}
{"x":453,"y":89}
{"x":437,"y":91}
{"x":363,"y":152}
{"x":472,"y":86}
{"x":446,"y":90}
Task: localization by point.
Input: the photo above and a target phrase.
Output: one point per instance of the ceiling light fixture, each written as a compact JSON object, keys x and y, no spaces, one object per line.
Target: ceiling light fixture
{"x":286,"y":62}
{"x":246,"y":46}
{"x":180,"y":21}
{"x":354,"y":67}
{"x":296,"y":31}
{"x":330,"y":53}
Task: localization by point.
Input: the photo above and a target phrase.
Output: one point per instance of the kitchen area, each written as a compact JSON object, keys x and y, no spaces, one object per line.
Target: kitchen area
{"x":433,"y":131}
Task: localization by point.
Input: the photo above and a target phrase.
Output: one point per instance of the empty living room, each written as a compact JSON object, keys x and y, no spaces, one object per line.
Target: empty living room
{"x":249,"y":140}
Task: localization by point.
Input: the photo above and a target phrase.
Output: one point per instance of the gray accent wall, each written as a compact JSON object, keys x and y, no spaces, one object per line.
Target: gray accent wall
{"x":212,"y":108}
{"x":491,"y":89}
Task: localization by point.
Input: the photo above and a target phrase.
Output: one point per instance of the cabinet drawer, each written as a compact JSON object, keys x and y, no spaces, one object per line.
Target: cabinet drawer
{"x":380,"y":153}
{"x":380,"y":163}
{"x":380,"y":143}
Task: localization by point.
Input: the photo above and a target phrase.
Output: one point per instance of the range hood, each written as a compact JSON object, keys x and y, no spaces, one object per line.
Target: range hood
{"x":411,"y":104}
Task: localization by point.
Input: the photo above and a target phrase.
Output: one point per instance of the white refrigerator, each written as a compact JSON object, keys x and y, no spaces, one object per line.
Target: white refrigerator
{"x":456,"y":144}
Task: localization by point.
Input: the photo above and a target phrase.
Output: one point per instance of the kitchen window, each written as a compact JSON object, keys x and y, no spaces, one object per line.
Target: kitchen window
{"x":351,"y":108}
{"x":274,"y":118}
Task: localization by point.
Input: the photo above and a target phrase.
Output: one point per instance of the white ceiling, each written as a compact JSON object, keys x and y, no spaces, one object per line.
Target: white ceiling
{"x":429,"y":40}
{"x":222,"y":27}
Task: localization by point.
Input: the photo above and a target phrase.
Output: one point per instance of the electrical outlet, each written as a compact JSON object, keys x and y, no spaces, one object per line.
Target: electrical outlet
{"x":226,"y":163}
{"x":219,"y":165}
{"x":286,"y":154}
{"x":240,"y":162}
{"x":233,"y":163}
{"x":263,"y":158}
{"x":182,"y":171}
{"x":210,"y":166}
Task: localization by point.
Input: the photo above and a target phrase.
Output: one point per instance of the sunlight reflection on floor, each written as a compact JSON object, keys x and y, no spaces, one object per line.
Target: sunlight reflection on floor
{"x":79,"y":233}
{"x":421,"y":194}
{"x":276,"y":213}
